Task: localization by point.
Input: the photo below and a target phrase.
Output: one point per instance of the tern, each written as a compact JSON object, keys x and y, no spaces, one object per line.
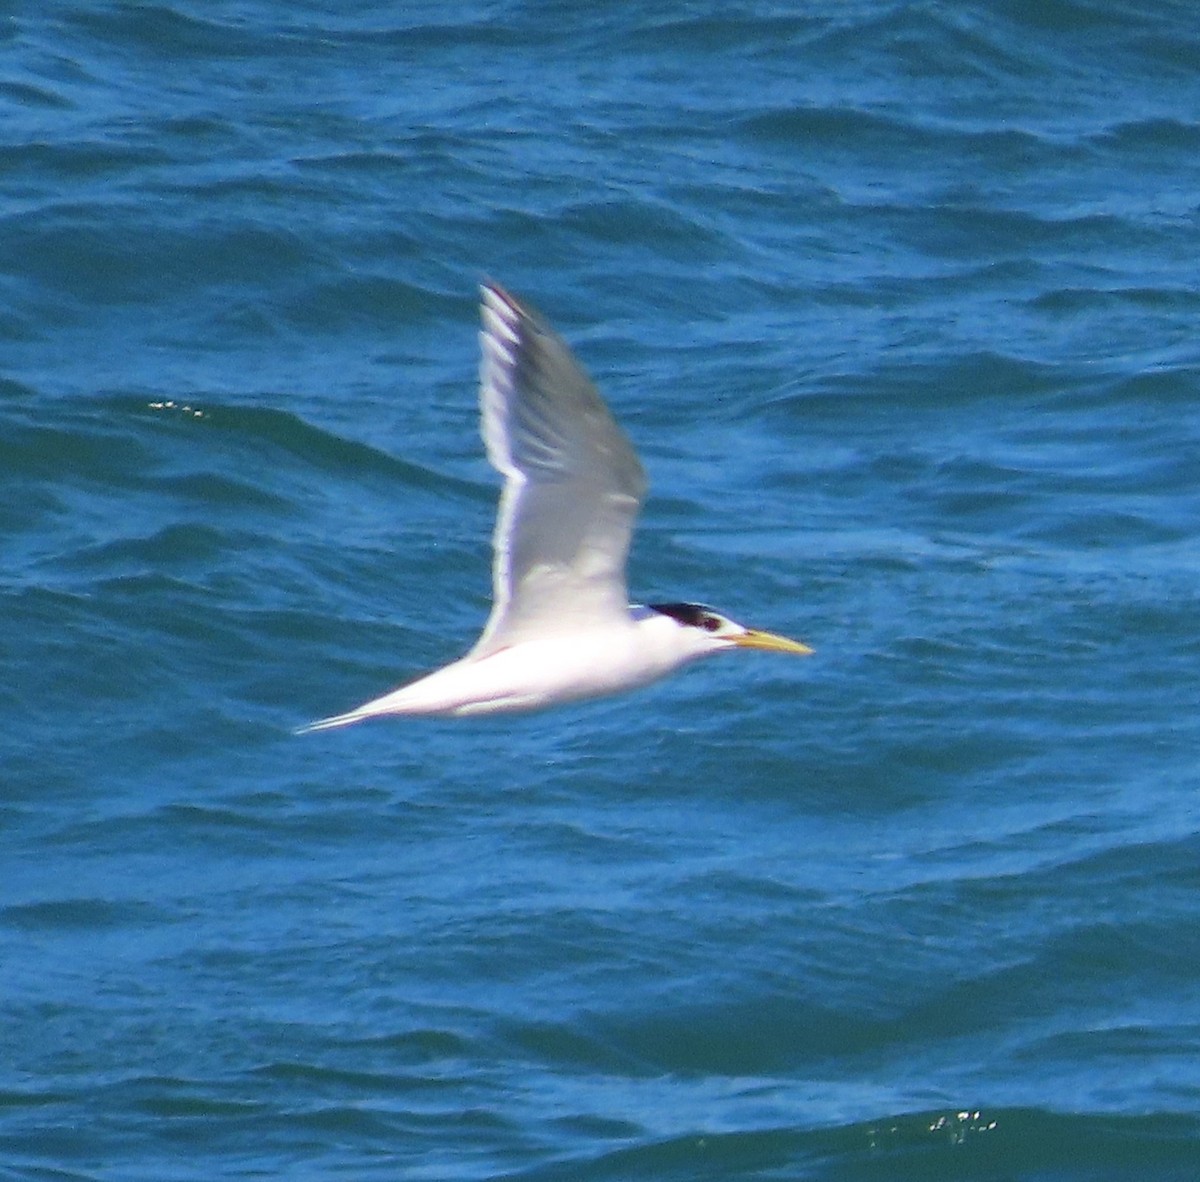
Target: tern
{"x":561,"y":628}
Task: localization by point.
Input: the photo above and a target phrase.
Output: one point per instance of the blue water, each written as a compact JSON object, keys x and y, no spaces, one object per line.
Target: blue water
{"x":899,"y":303}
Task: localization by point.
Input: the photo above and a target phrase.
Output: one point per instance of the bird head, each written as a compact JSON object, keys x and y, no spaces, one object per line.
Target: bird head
{"x":712,"y":632}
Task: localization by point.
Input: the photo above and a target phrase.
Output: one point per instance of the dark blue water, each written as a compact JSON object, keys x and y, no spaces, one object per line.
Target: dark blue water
{"x":899,"y":303}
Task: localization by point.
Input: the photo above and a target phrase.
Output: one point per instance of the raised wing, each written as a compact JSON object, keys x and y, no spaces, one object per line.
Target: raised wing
{"x":572,"y":482}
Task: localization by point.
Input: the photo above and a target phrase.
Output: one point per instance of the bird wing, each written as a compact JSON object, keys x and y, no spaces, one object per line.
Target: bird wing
{"x":573,"y":485}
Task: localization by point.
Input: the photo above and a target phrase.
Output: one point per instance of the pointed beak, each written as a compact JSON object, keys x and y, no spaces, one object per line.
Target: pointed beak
{"x":769,"y":642}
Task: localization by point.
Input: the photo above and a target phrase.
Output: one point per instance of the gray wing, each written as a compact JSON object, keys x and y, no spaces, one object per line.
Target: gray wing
{"x":573,"y":485}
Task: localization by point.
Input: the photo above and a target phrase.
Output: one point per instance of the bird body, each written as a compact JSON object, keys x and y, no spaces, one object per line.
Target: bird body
{"x":561,"y":628}
{"x":549,"y":671}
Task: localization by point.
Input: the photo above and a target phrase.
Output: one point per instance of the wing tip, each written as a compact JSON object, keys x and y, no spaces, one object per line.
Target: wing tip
{"x":492,"y":292}
{"x":513,"y":310}
{"x":502,"y":315}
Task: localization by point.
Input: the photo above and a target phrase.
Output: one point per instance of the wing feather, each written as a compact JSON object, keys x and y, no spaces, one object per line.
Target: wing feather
{"x":573,"y":485}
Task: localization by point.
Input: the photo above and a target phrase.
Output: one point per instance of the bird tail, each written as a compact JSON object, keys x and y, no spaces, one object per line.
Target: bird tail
{"x":399,"y":701}
{"x":333,"y":722}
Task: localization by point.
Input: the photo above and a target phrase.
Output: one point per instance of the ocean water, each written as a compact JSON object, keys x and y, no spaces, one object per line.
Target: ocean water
{"x":899,"y":302}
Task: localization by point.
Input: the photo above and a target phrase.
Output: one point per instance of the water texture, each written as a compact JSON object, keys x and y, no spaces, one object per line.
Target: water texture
{"x":899,"y":304}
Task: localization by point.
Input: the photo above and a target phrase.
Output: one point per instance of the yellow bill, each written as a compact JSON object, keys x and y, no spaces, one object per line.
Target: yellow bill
{"x":769,"y":642}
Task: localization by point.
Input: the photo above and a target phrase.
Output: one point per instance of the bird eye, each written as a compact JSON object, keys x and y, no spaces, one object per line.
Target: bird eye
{"x":711,"y":623}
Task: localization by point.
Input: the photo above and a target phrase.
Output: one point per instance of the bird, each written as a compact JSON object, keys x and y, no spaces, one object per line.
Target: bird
{"x":561,"y":628}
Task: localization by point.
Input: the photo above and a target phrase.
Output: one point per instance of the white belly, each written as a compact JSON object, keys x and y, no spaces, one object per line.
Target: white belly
{"x":531,"y":676}
{"x":540,"y":673}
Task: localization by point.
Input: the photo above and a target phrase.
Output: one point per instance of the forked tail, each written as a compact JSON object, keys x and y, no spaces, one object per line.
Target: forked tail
{"x":332,"y":723}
